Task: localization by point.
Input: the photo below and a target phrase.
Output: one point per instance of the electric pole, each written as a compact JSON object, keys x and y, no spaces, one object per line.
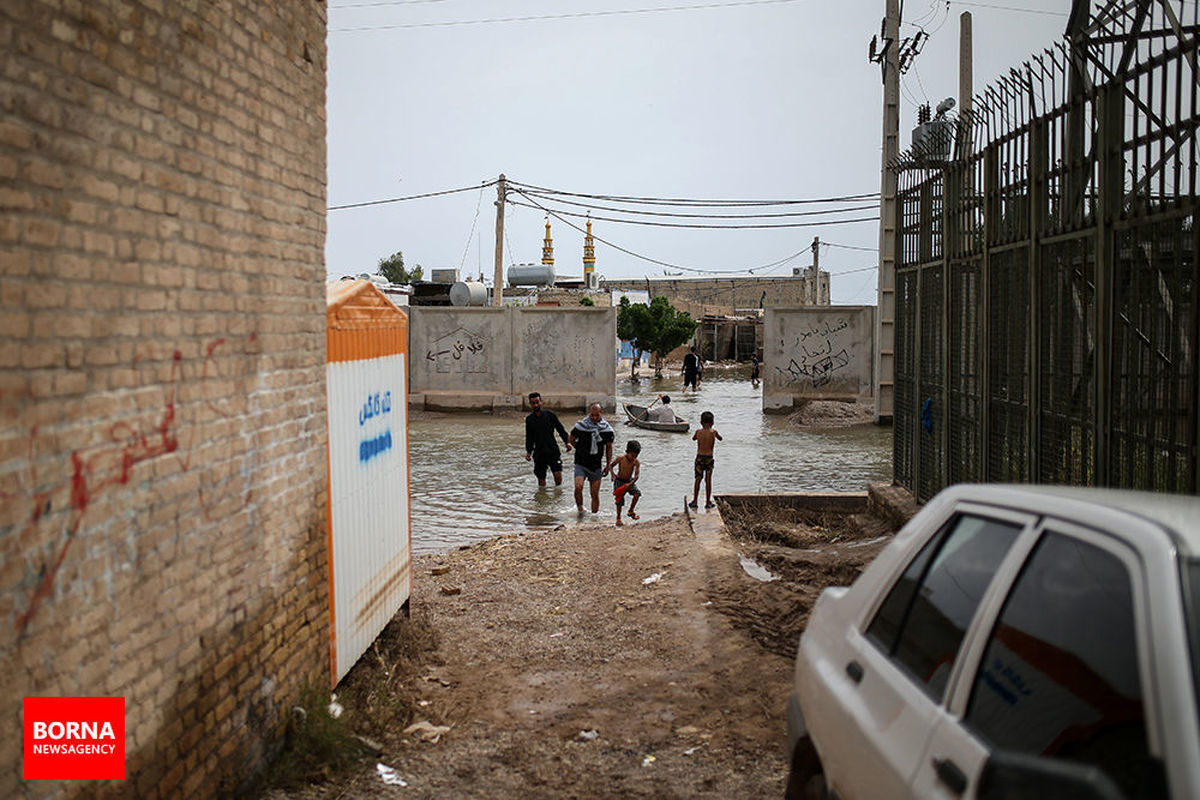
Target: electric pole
{"x":498,"y":289}
{"x":885,"y":326}
{"x":813,"y":289}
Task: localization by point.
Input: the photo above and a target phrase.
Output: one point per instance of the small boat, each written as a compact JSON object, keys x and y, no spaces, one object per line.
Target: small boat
{"x":637,"y":416}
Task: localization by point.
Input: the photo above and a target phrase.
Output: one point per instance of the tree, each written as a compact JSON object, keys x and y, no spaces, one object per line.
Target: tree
{"x":658,"y":329}
{"x":393,"y":269}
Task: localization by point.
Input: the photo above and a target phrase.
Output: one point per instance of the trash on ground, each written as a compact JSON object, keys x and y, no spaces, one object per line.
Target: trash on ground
{"x":655,"y":578}
{"x":426,"y":731}
{"x":389,"y":775}
{"x":648,"y":760}
{"x":439,"y":571}
{"x":756,"y":570}
{"x":687,"y":730}
{"x":335,"y":708}
{"x":691,"y":750}
{"x":372,"y":746}
{"x":587,"y":736}
{"x":451,"y":590}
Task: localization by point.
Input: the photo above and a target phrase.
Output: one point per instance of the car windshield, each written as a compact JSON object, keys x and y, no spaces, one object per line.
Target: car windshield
{"x":1191,"y":597}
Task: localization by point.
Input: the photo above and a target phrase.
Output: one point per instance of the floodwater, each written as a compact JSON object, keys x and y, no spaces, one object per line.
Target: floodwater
{"x":470,"y":480}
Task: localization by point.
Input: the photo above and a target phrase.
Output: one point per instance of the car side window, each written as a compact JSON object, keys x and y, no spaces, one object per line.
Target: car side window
{"x":1059,"y":676}
{"x":924,"y":617}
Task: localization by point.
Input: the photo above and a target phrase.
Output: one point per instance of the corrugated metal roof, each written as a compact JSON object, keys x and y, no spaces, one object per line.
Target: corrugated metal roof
{"x":361,"y":306}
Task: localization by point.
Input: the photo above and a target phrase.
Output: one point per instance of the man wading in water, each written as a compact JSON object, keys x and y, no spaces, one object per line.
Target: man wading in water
{"x":540,"y":446}
{"x":590,"y":436}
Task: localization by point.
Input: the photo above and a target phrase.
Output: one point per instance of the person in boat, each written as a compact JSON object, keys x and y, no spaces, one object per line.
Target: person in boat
{"x":664,"y":412}
{"x":592,"y":437}
{"x":540,"y":445}
{"x":625,"y":472}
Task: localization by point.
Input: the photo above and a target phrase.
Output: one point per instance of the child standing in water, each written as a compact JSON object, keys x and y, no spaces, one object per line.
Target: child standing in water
{"x":706,"y":438}
{"x":625,"y":472}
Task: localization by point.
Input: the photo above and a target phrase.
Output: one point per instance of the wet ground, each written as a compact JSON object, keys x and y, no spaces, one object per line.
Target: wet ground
{"x":470,"y":480}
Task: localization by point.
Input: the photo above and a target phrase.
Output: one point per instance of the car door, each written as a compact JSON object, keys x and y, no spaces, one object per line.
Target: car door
{"x":1059,"y":680}
{"x":898,"y":666}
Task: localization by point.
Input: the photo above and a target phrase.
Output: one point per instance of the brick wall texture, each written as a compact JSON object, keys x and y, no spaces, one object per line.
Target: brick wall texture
{"x":725,"y":295}
{"x":162,"y":402}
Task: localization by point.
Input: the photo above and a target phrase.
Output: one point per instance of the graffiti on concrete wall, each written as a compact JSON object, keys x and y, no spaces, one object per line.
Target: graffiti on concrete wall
{"x":460,"y":350}
{"x":816,"y":354}
{"x":84,"y":475}
{"x":559,"y":349}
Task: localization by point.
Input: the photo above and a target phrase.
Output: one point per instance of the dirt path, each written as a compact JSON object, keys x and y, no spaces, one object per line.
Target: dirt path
{"x":526,"y":644}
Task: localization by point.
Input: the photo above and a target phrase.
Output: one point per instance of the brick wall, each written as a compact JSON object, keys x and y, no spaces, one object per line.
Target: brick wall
{"x":162,"y":426}
{"x":727,"y":295}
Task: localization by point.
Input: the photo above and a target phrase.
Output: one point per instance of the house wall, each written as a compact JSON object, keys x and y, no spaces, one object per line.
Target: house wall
{"x":729,"y":295}
{"x":817,"y":354}
{"x":479,"y":358}
{"x":162,"y":351}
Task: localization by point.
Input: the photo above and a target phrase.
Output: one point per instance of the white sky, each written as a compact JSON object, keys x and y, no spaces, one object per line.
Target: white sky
{"x":751,"y":99}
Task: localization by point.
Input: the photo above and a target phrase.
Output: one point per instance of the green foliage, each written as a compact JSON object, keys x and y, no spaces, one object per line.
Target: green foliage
{"x":393,"y":269}
{"x":586,"y":301}
{"x":318,"y":745}
{"x":658,"y":328}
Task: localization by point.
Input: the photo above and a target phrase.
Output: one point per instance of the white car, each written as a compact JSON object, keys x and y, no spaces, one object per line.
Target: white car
{"x":1010,"y":642}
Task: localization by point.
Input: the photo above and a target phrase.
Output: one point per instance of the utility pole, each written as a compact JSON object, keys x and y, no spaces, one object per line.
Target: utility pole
{"x":813,"y":289}
{"x":965,"y":74}
{"x":498,"y":289}
{"x":885,"y":325}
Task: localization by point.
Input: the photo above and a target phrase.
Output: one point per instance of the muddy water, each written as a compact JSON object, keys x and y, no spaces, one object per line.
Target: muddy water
{"x":470,"y":480}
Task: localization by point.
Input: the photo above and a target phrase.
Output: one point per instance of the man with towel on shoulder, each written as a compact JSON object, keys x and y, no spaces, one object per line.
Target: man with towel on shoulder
{"x":592,"y":439}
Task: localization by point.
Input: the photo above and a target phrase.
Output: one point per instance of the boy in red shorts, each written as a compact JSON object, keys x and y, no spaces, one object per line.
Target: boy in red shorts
{"x":625,"y":471}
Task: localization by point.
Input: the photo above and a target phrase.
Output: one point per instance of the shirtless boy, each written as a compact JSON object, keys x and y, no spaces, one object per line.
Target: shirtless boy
{"x":625,"y":472}
{"x":706,"y":438}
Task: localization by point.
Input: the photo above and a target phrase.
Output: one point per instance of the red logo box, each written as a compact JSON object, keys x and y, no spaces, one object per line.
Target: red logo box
{"x":74,"y":738}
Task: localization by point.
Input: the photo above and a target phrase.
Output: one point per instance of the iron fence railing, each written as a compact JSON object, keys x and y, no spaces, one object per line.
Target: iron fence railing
{"x":1046,"y":281}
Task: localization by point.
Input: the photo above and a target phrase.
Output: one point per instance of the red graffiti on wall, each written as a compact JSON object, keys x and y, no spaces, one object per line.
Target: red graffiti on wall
{"x":96,"y":470}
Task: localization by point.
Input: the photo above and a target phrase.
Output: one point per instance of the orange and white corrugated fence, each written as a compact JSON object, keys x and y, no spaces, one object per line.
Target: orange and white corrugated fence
{"x":370,"y":535}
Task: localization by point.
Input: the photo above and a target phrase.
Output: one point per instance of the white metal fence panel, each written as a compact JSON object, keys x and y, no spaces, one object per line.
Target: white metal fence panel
{"x":368,"y":495}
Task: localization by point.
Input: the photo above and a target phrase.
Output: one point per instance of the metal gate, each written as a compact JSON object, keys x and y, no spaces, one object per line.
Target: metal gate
{"x":1046,"y":284}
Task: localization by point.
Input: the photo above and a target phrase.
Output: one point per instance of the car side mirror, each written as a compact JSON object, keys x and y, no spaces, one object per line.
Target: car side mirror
{"x":1009,"y":775}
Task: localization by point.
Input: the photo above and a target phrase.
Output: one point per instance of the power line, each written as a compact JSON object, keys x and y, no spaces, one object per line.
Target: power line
{"x":849,"y":247}
{"x":598,"y":207}
{"x":698,"y":226}
{"x":340,"y":6}
{"x":471,"y":235}
{"x":765,"y":226}
{"x":411,"y":197}
{"x":660,"y":263}
{"x":1013,"y":8}
{"x":574,"y":15}
{"x":677,"y":201}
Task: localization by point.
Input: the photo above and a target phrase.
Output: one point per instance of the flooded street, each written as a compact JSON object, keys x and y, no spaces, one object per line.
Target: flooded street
{"x":470,"y":479}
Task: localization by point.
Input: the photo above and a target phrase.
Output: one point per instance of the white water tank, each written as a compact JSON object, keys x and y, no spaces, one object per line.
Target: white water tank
{"x":468,"y":293}
{"x":531,"y":275}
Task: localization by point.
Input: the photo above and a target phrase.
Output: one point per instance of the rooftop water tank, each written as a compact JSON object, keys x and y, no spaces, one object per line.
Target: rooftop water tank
{"x":468,"y":293}
{"x":531,"y":275}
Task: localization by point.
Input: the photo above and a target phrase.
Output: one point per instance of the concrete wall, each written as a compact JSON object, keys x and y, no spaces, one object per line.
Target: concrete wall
{"x":162,"y":358}
{"x":482,"y":358}
{"x":817,"y":354}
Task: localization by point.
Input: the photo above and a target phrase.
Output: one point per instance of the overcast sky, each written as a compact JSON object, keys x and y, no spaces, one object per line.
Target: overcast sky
{"x":695,"y":99}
